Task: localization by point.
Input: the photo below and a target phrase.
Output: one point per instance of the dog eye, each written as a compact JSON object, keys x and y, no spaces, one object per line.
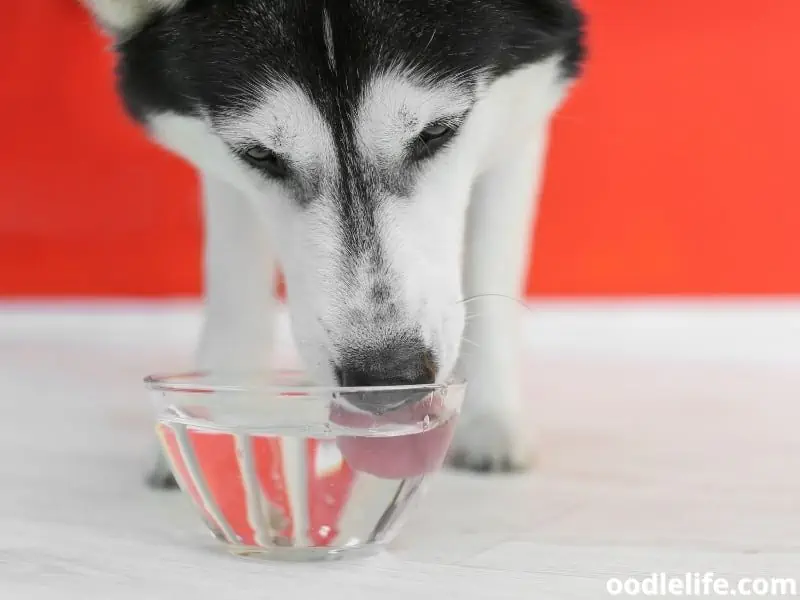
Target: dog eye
{"x":430,"y":140}
{"x":435,"y":131}
{"x":266,"y":160}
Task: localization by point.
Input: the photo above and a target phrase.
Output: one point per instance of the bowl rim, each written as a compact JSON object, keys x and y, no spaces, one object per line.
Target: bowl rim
{"x":193,"y":381}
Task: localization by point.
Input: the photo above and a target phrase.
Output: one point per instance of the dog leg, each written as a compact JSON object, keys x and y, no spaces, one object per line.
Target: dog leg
{"x":240,"y":271}
{"x":239,"y":293}
{"x":493,"y":433}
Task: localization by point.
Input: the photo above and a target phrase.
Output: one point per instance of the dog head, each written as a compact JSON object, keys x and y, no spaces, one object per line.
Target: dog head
{"x":357,"y":128}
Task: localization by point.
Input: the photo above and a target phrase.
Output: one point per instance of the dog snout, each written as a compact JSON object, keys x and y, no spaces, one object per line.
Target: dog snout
{"x":402,"y":362}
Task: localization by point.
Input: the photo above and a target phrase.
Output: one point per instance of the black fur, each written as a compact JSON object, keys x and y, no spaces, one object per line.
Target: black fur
{"x":210,"y":56}
{"x":205,"y":54}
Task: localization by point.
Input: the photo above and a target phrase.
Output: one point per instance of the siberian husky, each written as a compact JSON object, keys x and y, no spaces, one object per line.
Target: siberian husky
{"x":385,"y":155}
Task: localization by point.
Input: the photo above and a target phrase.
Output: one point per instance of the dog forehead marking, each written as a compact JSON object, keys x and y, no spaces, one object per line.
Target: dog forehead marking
{"x":327,"y":27}
{"x":397,"y":105}
{"x":286,"y":120}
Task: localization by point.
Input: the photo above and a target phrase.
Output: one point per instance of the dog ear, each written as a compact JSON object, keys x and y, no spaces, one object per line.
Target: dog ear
{"x":119,"y":17}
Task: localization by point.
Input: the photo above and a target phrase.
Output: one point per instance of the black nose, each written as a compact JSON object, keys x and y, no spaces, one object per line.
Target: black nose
{"x":401,"y":362}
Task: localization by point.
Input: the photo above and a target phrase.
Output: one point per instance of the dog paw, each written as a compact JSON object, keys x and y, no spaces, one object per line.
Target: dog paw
{"x":490,"y":443}
{"x":160,"y":476}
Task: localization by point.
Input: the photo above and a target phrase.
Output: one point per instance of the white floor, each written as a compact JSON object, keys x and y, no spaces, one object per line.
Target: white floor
{"x":669,"y":442}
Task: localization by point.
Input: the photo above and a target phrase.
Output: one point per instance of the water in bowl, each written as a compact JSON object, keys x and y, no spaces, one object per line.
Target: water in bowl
{"x":304,"y":493}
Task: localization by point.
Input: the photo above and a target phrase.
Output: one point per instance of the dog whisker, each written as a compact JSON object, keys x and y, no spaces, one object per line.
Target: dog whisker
{"x":470,"y":342}
{"x":482,"y":296}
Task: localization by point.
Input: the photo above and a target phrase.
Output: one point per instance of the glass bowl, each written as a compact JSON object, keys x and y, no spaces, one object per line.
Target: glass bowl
{"x":281,"y":469}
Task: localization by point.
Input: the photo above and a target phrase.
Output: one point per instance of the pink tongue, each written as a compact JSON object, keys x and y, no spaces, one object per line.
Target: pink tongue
{"x":401,"y":456}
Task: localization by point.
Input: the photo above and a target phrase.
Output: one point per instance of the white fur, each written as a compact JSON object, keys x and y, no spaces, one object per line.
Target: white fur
{"x":397,"y":106}
{"x":126,"y":15}
{"x":287,"y":122}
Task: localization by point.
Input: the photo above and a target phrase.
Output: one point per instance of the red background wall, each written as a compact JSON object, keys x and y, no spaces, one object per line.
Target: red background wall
{"x":674,"y":167}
